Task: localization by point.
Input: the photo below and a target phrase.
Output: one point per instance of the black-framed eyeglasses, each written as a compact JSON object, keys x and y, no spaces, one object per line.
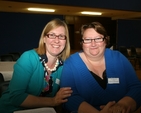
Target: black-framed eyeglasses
{"x":53,"y":36}
{"x":88,"y":40}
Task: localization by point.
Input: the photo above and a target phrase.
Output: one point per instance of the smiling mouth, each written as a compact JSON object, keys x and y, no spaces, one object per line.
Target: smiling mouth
{"x":55,"y":46}
{"x":93,"y":48}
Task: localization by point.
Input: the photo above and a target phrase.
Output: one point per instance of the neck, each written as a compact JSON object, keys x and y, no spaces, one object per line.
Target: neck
{"x":53,"y":67}
{"x":96,"y":61}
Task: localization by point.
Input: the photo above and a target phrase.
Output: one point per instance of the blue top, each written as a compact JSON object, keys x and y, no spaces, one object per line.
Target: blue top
{"x":28,"y":78}
{"x":85,"y":88}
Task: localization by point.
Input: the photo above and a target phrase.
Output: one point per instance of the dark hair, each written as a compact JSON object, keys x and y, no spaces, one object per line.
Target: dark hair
{"x":98,"y":27}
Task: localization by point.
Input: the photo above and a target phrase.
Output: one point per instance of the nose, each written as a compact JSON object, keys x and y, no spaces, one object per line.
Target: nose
{"x":57,"y":39}
{"x":93,"y":43}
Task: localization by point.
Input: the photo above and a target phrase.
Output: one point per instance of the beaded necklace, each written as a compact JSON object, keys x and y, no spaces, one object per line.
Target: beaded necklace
{"x":54,"y":68}
{"x":48,"y":84}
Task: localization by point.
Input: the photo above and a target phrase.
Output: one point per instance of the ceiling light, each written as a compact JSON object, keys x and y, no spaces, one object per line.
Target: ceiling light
{"x":41,"y":9}
{"x":91,"y":13}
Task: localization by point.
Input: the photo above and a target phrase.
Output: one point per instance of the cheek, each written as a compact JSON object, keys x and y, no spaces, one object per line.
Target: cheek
{"x":104,"y":44}
{"x":63,"y":43}
{"x":85,"y":45}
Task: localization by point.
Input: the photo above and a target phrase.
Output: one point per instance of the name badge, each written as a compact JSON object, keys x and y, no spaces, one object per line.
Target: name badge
{"x":57,"y":81}
{"x":113,"y":80}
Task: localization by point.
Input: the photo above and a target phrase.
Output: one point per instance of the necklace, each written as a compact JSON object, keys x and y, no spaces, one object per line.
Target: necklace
{"x":54,"y":68}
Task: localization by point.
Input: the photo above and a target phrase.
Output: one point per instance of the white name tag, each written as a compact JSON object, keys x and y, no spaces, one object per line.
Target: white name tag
{"x":113,"y":80}
{"x":57,"y":81}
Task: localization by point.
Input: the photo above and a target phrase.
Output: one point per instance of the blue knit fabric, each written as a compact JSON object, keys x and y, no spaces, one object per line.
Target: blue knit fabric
{"x":85,"y":88}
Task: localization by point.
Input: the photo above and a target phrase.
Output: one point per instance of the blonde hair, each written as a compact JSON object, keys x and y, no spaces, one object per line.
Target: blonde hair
{"x":49,"y":26}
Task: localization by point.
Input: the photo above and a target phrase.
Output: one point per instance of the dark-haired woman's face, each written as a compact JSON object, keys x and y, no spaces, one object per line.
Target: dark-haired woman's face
{"x":93,"y":48}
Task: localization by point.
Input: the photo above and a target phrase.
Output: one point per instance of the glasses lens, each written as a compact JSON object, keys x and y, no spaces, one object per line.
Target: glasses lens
{"x":62,"y":37}
{"x":90,"y":40}
{"x":98,"y":39}
{"x":87,"y":40}
{"x":52,"y":36}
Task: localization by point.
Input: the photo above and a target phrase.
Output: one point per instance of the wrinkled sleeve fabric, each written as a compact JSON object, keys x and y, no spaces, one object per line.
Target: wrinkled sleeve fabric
{"x":23,"y":71}
{"x":133,"y":83}
{"x":69,"y":75}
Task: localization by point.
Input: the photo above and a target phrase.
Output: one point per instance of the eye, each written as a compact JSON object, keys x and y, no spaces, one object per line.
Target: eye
{"x":52,"y":35}
{"x":87,"y":39}
{"x":61,"y":36}
{"x":98,"y":38}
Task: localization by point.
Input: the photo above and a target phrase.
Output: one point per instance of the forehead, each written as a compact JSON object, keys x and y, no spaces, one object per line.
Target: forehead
{"x":60,"y":30}
{"x":91,"y":33}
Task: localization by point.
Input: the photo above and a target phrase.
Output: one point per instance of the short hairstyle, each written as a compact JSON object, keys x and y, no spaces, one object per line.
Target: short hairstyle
{"x":98,"y":27}
{"x":49,"y":26}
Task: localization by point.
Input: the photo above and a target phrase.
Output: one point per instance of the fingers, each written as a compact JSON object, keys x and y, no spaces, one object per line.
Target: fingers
{"x":65,"y":92}
{"x":102,"y":106}
{"x":62,"y":95}
{"x":110,"y":104}
{"x":119,"y":108}
{"x":128,"y":110}
{"x":106,"y":108}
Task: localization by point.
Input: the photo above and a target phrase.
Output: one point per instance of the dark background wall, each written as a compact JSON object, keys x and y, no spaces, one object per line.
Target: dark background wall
{"x":20,"y":32}
{"x":128,"y":33}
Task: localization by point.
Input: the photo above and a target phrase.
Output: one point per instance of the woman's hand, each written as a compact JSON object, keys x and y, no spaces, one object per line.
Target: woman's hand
{"x":62,"y":95}
{"x":116,"y":108}
{"x":106,"y":108}
{"x":119,"y":108}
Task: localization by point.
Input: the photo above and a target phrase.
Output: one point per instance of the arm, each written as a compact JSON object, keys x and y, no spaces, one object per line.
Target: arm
{"x":87,"y":108}
{"x":131,"y":98}
{"x":125,"y":104}
{"x":27,"y":82}
{"x":34,"y":101}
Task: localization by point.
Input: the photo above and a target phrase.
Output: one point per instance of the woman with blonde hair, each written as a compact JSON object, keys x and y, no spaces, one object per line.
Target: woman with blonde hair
{"x":36,"y":78}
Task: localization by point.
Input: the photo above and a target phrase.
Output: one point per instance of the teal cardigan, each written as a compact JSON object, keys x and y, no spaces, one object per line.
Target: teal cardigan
{"x":28,"y":78}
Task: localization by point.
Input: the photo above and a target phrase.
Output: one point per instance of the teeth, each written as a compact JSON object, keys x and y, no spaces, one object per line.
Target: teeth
{"x":55,"y":46}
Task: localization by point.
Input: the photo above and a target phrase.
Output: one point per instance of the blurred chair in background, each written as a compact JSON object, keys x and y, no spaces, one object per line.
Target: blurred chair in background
{"x":132,"y":59}
{"x":7,"y":57}
{"x":135,"y":54}
{"x":1,"y":78}
{"x":3,"y":84}
{"x":16,"y":55}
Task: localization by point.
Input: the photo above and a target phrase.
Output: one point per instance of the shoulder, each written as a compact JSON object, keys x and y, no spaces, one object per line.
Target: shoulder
{"x":73,"y":61}
{"x":28,"y":57}
{"x":73,"y":57}
{"x":30,"y":54}
{"x":113,"y":53}
{"x":114,"y":56}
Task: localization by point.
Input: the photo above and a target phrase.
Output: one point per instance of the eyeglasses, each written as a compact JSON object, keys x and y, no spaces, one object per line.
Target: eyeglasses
{"x":97,"y":40}
{"x":53,"y":36}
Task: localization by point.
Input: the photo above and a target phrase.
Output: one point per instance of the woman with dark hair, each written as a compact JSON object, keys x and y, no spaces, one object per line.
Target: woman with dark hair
{"x":102,"y":80}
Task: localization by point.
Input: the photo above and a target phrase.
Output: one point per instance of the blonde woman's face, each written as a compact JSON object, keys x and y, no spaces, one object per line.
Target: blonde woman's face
{"x":93,"y":49}
{"x":55,"y":46}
